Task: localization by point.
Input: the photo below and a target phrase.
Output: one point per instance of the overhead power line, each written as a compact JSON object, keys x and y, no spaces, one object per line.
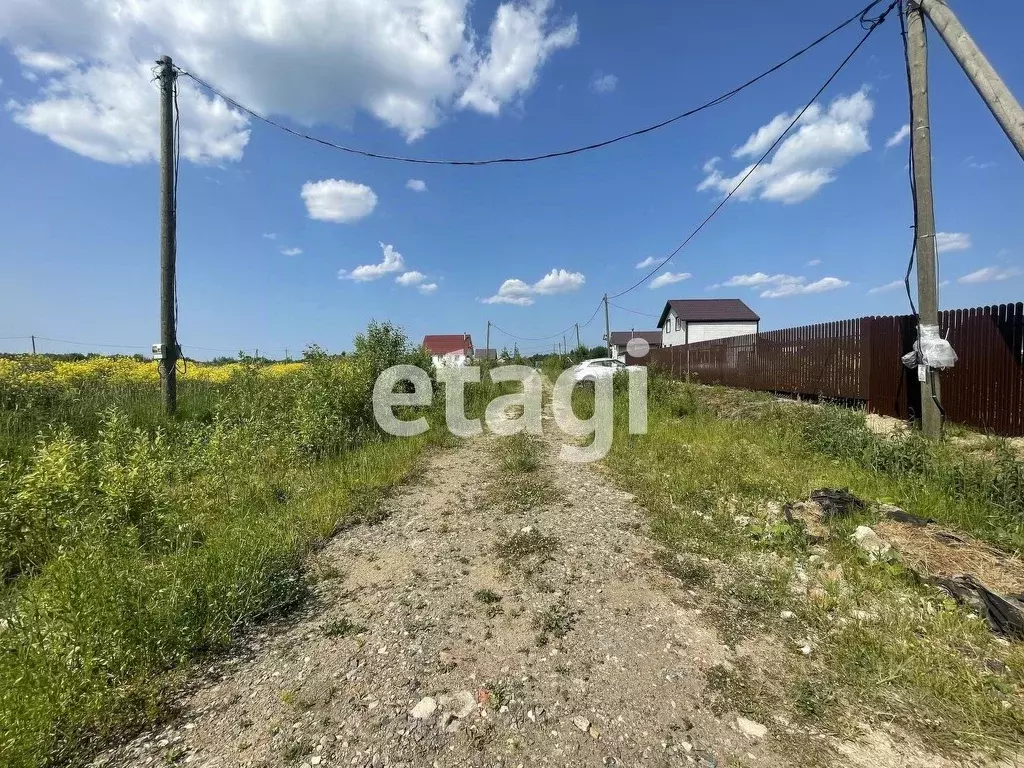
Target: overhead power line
{"x":872,"y":25}
{"x":91,"y":344}
{"x":861,"y":15}
{"x":634,"y":311}
{"x":553,"y":335}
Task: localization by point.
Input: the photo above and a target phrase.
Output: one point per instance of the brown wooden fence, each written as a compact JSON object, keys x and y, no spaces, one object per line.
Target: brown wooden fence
{"x":860,"y":360}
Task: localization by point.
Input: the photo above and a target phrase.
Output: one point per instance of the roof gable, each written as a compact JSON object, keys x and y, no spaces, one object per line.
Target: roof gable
{"x":446,"y":343}
{"x":709,"y":311}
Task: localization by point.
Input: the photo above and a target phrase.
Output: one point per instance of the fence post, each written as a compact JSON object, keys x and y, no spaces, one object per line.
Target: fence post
{"x":867,"y":328}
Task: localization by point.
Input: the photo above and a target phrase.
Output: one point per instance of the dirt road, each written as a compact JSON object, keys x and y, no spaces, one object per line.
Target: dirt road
{"x":490,"y":619}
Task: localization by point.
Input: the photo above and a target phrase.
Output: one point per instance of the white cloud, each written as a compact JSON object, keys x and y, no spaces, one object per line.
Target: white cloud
{"x":416,"y":185}
{"x":517,"y":292}
{"x":408,"y":63}
{"x":512,"y":291}
{"x":990,"y":275}
{"x":887,"y":287}
{"x":603,"y":83}
{"x":757,"y":278}
{"x":559,"y":281}
{"x":392,"y":262}
{"x":107,"y":113}
{"x":952,"y":241}
{"x":270,"y":235}
{"x":898,"y":138}
{"x":291,"y":251}
{"x":806,"y":160}
{"x":43,"y":61}
{"x":813,"y":263}
{"x":428,"y":288}
{"x":799,"y":286}
{"x":759,"y":141}
{"x":410,"y":278}
{"x":338,"y":200}
{"x":781,"y":285}
{"x":521,"y":40}
{"x":978,"y":165}
{"x":650,"y":261}
{"x":668,"y":278}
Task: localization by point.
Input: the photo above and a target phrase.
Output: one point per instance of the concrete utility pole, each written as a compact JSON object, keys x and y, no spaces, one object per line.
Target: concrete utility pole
{"x":168,"y":239}
{"x":921,"y":149}
{"x":986,"y":80}
{"x":487,"y":345}
{"x":607,"y":327}
{"x":33,"y":344}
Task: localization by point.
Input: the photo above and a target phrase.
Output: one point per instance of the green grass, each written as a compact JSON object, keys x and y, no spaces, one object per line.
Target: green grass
{"x":130,"y":547}
{"x":714,"y":470}
{"x":520,"y":453}
{"x":526,"y":550}
{"x":522,"y":484}
{"x":28,"y":416}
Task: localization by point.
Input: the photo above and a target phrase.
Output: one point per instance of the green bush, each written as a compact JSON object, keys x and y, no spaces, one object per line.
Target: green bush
{"x":129,"y":546}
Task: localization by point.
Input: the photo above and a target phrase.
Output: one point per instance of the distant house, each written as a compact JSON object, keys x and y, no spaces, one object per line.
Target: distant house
{"x":452,"y":349}
{"x":620,"y":339}
{"x":687,"y":321}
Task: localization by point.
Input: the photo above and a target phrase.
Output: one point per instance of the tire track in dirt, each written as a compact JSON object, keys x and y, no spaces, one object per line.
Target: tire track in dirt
{"x":423,"y":647}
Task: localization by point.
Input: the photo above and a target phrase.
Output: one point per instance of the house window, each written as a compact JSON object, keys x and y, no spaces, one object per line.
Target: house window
{"x":679,"y":324}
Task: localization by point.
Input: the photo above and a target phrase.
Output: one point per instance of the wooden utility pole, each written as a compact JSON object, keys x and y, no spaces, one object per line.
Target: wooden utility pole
{"x":578,"y":345}
{"x":168,"y":237}
{"x":921,"y":150}
{"x":986,"y":80}
{"x":33,"y":344}
{"x":607,"y":327}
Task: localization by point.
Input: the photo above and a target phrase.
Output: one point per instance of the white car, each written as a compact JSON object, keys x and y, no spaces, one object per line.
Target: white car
{"x":598,"y":368}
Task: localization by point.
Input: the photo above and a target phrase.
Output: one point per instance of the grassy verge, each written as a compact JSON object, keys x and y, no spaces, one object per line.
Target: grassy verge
{"x":90,"y":642}
{"x":847,"y":640}
{"x":28,"y":414}
{"x":129,"y":549}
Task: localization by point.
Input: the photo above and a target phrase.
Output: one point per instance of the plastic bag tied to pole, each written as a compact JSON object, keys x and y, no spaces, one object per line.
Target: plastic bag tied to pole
{"x":930,"y":350}
{"x":936,"y":352}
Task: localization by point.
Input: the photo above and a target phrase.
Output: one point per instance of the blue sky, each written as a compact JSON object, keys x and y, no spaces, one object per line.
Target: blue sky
{"x":440,"y":78}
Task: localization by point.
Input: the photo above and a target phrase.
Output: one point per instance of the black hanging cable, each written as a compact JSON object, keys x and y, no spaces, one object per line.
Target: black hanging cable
{"x":860,"y":15}
{"x":174,"y":220}
{"x":910,"y":159}
{"x":634,"y":311}
{"x":497,"y":327}
{"x":552,"y":336}
{"x":593,"y":315}
{"x":92,"y":344}
{"x":874,"y":23}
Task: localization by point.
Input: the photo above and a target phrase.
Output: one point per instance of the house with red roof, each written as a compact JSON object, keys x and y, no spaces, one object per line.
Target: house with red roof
{"x":450,"y":349}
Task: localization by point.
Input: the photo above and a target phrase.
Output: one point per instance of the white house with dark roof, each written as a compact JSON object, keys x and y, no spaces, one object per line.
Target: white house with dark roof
{"x":687,"y":321}
{"x":620,"y":339}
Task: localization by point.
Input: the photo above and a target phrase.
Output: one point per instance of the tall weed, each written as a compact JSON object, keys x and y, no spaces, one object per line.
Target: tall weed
{"x":128,"y":544}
